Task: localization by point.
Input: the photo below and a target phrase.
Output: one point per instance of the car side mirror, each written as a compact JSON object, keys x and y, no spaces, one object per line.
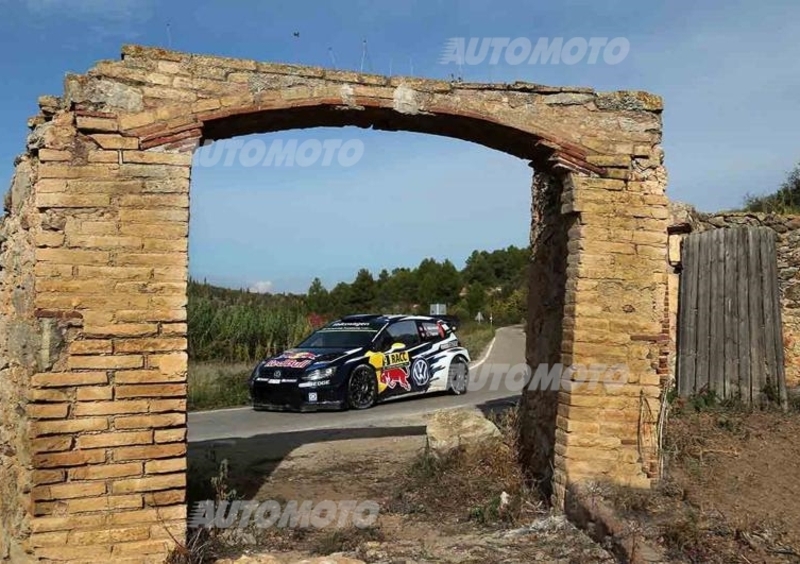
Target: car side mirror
{"x":397,"y":346}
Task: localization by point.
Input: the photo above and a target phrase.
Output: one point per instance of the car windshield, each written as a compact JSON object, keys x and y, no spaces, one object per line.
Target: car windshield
{"x":335,"y":337}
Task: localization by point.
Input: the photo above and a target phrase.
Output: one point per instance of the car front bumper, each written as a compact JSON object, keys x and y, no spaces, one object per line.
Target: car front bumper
{"x":290,"y":397}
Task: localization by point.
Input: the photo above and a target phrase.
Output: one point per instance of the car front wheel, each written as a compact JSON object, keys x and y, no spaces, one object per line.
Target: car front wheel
{"x":362,"y":388}
{"x":458,"y":377}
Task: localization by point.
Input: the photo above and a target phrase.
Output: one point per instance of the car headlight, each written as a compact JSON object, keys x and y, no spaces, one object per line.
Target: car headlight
{"x":320,"y":373}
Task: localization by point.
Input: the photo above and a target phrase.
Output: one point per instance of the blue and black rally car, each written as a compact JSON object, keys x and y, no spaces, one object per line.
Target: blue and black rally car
{"x":360,"y":360}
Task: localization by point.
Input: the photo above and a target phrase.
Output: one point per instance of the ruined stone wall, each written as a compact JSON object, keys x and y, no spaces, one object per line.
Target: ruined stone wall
{"x":108,"y":209}
{"x":20,"y":345}
{"x":545,"y":328}
{"x":787,"y":230}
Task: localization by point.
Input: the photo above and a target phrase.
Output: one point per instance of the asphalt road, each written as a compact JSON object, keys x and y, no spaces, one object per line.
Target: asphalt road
{"x":508,"y":348}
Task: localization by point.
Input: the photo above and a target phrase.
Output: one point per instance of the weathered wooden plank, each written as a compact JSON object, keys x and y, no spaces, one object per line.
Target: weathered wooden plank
{"x":687,"y":320}
{"x":731,"y":322}
{"x":716,"y":369}
{"x":703,"y":313}
{"x":777,"y":322}
{"x":743,"y":307}
{"x":756,"y":315}
{"x":769,"y":285}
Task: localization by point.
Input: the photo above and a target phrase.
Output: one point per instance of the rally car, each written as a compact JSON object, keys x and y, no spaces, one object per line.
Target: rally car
{"x":360,"y":360}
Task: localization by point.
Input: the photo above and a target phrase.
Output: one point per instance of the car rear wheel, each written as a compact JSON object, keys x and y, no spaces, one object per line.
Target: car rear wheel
{"x":362,"y":388}
{"x":458,"y":377}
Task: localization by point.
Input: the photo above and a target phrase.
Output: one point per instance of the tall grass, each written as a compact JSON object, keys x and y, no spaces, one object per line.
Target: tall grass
{"x":214,"y":385}
{"x":234,"y":326}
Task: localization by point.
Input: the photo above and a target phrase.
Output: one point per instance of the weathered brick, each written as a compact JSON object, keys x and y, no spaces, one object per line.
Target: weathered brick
{"x":151,"y":391}
{"x":47,"y":410}
{"x":64,"y":200}
{"x":69,"y":490}
{"x":42,"y":477}
{"x":170,"y":435}
{"x":55,"y":538}
{"x":110,"y":242}
{"x":57,"y":443}
{"x":105,"y":362}
{"x":103,"y":157}
{"x":47,"y":395}
{"x":73,"y":256}
{"x":168,"y":497}
{"x":142,"y":547}
{"x":122,"y":454}
{"x":160,"y":406}
{"x":94,"y":393}
{"x":96,"y":124}
{"x":114,"y":141}
{"x":148,"y":516}
{"x":51,"y":185}
{"x":149,"y":483}
{"x":174,"y":329}
{"x":109,"y":536}
{"x":97,"y":553}
{"x":67,"y":171}
{"x":66,"y":523}
{"x":104,"y":471}
{"x":156,"y":230}
{"x":155,"y":344}
{"x":71,"y":458}
{"x":68,"y":379}
{"x":49,"y":239}
{"x":105,"y":503}
{"x":53,"y":155}
{"x":62,"y":427}
{"x":90,"y":346}
{"x":149,"y":157}
{"x":110,"y":408}
{"x":154,"y":215}
{"x":165,"y":466}
{"x":115,"y":438}
{"x":153,"y":421}
{"x":144,"y":315}
{"x":147,"y":377}
{"x":122,"y":330}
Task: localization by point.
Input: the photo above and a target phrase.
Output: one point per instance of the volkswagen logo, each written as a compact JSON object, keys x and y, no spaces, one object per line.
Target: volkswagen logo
{"x":277,"y":374}
{"x":420,"y":373}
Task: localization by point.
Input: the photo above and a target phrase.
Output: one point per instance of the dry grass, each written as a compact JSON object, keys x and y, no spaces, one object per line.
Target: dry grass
{"x":483,"y":483}
{"x":214,"y":385}
{"x":728,"y":475}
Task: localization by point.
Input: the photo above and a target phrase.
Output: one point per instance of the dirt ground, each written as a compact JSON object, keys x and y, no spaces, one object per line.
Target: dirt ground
{"x":415,"y":529}
{"x":732,"y":492}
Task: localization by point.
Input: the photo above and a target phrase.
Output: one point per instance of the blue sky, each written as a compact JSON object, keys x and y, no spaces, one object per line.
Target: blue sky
{"x":728,"y":72}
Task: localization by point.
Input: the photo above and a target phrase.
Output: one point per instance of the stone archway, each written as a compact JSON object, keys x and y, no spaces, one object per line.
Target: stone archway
{"x":94,"y":274}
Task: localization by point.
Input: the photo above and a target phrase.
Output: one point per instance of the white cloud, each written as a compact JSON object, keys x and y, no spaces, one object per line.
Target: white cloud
{"x":261,"y":287}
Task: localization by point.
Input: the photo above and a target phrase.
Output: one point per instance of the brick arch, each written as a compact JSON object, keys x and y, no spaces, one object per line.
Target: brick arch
{"x":94,"y":277}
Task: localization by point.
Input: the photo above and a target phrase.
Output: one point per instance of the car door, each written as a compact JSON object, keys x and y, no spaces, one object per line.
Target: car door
{"x":401,"y":345}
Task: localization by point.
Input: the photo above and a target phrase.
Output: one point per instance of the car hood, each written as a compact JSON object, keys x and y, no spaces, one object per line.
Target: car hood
{"x":304,"y":357}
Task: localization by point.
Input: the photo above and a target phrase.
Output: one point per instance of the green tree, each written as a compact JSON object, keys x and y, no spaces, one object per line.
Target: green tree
{"x":362,"y":292}
{"x":784,"y":200}
{"x":475,"y":298}
{"x":318,"y":298}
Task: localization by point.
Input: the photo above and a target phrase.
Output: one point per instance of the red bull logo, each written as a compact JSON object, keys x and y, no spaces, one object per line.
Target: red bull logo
{"x":292,"y":359}
{"x":394,"y":376}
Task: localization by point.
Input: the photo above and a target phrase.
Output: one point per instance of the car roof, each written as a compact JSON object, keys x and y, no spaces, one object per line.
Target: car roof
{"x":383,"y":318}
